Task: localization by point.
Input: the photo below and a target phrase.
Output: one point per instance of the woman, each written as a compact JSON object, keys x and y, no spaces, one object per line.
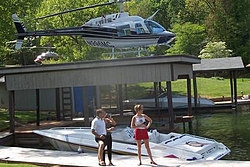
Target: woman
{"x":110,"y":122}
{"x":140,"y":126}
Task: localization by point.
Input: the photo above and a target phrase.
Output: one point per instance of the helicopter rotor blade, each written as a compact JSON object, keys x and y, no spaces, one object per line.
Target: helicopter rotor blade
{"x":77,"y":9}
{"x":153,"y":15}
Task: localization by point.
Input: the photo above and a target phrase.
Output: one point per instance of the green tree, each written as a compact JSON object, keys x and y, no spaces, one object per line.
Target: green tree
{"x":172,"y":8}
{"x":229,"y":21}
{"x":25,"y":9}
{"x":195,"y":23}
{"x":189,"y":39}
{"x":195,"y":11}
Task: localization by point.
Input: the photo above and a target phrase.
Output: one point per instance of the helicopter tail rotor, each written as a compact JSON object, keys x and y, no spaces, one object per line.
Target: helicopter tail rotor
{"x":21,"y":29}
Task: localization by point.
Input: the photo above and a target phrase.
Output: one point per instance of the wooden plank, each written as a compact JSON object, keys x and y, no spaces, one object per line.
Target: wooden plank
{"x":184,"y":118}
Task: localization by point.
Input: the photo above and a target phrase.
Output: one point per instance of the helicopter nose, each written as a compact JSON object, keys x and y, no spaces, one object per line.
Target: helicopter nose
{"x":167,"y":37}
{"x":38,"y":61}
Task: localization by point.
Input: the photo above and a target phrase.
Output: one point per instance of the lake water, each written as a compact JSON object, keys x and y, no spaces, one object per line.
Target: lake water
{"x":230,"y":128}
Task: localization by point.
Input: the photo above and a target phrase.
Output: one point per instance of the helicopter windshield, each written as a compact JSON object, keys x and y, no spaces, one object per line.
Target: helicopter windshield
{"x":154,"y":27}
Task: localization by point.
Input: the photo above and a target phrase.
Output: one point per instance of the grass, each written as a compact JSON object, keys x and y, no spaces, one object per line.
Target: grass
{"x":214,"y":87}
{"x":206,"y":87}
{"x":21,"y":117}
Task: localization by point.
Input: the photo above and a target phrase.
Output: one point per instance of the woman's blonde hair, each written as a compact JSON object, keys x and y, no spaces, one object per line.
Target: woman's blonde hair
{"x":138,"y":107}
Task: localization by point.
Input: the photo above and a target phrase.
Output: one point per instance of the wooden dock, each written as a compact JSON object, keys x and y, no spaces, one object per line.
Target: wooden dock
{"x":53,"y":158}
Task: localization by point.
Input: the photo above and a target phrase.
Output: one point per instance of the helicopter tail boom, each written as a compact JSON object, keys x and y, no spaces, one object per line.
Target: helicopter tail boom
{"x":20,"y":30}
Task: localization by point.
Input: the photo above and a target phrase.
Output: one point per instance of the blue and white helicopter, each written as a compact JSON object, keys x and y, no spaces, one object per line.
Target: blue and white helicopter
{"x":115,"y":31}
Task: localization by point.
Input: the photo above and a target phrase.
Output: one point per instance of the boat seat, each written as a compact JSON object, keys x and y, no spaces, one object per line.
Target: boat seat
{"x":154,"y":136}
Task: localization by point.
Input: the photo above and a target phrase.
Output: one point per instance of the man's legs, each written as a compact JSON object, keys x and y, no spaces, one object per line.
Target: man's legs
{"x":101,"y":146}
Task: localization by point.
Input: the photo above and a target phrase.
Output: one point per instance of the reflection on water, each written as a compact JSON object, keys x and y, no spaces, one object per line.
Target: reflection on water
{"x":231,"y":129}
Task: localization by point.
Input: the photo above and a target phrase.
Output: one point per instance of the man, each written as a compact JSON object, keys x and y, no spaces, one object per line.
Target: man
{"x":98,"y":129}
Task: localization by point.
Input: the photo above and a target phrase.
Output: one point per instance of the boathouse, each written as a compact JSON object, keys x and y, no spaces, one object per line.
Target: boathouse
{"x":62,"y":77}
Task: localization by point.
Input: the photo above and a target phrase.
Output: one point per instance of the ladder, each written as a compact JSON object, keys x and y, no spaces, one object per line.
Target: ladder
{"x":67,"y":109}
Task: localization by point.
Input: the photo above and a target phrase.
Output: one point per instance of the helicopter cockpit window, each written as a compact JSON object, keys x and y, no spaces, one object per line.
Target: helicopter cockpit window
{"x":139,"y":29}
{"x":154,"y":27}
{"x":123,"y":30}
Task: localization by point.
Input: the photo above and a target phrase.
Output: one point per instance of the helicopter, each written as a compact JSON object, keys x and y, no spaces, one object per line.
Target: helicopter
{"x":45,"y":55}
{"x":117,"y":30}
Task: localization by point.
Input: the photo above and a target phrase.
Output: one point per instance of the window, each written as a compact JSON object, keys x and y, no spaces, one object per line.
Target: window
{"x":139,"y":29}
{"x":154,"y":27}
{"x":123,"y":30}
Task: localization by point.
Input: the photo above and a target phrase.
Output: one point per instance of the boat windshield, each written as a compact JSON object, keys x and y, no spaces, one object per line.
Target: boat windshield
{"x":154,"y":27}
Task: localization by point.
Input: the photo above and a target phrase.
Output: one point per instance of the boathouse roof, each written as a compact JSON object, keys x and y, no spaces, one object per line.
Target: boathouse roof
{"x":100,"y":72}
{"x":219,"y":64}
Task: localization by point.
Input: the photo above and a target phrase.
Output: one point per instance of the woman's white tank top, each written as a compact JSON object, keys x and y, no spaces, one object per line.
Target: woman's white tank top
{"x":139,"y":121}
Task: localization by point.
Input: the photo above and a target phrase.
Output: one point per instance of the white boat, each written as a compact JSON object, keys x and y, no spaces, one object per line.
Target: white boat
{"x":173,"y":145}
{"x":178,"y":101}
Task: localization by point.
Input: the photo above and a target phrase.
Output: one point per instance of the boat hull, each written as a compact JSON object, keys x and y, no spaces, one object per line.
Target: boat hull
{"x":182,"y":146}
{"x":178,"y":101}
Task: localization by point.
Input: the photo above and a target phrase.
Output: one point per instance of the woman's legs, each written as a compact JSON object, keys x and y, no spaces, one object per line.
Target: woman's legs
{"x":109,"y":147}
{"x":138,"y":142}
{"x":146,"y":142}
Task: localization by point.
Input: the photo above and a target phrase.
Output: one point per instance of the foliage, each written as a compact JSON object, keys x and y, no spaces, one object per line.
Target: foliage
{"x":24,"y":8}
{"x":229,"y":21}
{"x":189,"y":39}
{"x":195,"y":11}
{"x":215,"y":50}
{"x":195,"y":22}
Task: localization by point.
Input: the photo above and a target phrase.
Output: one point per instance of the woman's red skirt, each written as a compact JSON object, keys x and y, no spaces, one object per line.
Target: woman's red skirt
{"x":141,"y":134}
